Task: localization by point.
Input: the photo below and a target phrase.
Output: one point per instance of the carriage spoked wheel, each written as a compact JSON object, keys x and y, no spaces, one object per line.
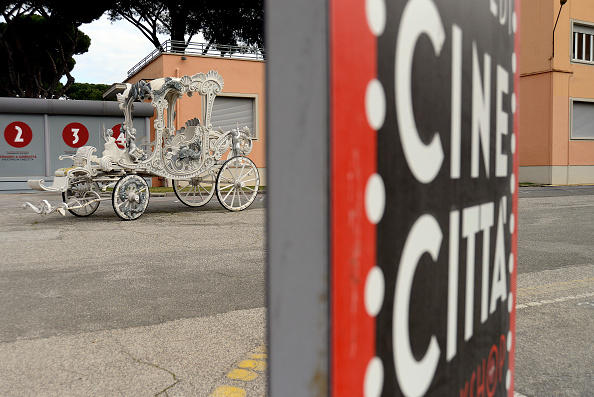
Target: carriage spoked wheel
{"x":130,"y":197}
{"x":197,"y":191}
{"x":80,"y":196}
{"x":237,"y":183}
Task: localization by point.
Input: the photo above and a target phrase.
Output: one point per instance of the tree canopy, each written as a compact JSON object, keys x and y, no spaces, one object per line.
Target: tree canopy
{"x":86,"y":91}
{"x":37,"y":42}
{"x":224,"y":22}
{"x":39,"y":38}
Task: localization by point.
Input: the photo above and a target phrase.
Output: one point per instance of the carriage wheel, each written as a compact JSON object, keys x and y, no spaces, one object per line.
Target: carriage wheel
{"x":79,"y":194}
{"x":130,"y":197}
{"x":197,"y":191}
{"x":237,"y":183}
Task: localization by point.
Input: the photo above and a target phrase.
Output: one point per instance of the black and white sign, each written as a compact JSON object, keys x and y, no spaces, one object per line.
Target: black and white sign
{"x":446,"y":157}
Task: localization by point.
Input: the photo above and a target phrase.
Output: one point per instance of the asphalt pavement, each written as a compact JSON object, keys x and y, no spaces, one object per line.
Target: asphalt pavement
{"x":169,"y":304}
{"x":555,"y":292}
{"x":173,"y":304}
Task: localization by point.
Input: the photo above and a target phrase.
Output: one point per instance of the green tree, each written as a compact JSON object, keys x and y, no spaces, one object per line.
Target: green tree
{"x":86,"y":91}
{"x":224,"y":22}
{"x":37,"y":42}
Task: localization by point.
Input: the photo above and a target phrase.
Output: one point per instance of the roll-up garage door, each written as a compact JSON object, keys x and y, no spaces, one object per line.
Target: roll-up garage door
{"x":229,"y":111}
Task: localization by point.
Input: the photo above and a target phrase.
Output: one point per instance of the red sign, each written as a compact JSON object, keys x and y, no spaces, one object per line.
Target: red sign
{"x":424,"y":197}
{"x":354,"y":157}
{"x":119,"y":136}
{"x":75,"y":135}
{"x":18,"y":134}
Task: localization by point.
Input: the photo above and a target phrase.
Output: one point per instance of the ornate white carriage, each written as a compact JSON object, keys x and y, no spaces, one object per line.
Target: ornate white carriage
{"x":192,"y":157}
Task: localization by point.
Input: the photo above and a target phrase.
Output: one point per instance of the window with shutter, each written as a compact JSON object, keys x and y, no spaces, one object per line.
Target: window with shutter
{"x":230,"y":112}
{"x":582,"y":119}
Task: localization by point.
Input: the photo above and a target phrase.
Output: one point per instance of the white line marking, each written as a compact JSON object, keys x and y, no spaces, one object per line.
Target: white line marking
{"x":556,"y":300}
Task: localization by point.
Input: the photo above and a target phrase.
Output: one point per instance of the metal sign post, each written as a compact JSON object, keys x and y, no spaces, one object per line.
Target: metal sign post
{"x":393,"y":197}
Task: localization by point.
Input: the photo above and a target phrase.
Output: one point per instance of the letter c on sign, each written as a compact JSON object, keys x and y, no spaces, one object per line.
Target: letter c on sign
{"x":414,"y":377}
{"x":419,"y":17}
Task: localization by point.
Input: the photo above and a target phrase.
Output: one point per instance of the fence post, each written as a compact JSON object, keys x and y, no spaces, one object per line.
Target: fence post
{"x":297,"y":116}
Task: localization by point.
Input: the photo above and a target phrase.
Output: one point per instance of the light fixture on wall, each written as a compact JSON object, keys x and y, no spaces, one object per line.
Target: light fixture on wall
{"x":184,"y":58}
{"x":562,"y":2}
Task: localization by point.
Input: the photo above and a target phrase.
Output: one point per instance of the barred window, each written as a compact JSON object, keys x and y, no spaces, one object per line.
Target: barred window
{"x":583,"y":43}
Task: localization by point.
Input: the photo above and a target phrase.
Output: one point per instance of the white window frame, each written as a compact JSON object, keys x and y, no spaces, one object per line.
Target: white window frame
{"x":255,"y":97}
{"x":579,"y":30}
{"x":571,"y":104}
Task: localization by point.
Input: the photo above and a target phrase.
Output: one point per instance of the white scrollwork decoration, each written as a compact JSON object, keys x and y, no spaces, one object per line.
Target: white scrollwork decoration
{"x":190,"y":152}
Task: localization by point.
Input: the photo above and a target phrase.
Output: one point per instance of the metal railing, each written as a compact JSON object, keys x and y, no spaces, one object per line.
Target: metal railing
{"x":205,"y":49}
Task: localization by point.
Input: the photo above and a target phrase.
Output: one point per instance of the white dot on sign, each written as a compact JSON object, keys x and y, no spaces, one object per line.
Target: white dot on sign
{"x":508,"y":380}
{"x":510,"y":302}
{"x":374,"y":291}
{"x":514,"y":22}
{"x":514,"y":64}
{"x":512,"y":183}
{"x":373,"y":383}
{"x":513,"y":143}
{"x":375,"y":104}
{"x":375,"y":198}
{"x":375,"y":11}
{"x":512,"y":223}
{"x":512,"y":263}
{"x":513,"y":102}
{"x":510,"y":337}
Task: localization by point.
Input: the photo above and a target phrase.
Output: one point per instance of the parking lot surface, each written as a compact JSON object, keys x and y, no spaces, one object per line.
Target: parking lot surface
{"x":170,"y":302}
{"x":555,"y":292}
{"x":173,"y":303}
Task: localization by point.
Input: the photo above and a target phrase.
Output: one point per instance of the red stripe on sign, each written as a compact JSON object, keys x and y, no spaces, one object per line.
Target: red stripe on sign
{"x":353,"y":143}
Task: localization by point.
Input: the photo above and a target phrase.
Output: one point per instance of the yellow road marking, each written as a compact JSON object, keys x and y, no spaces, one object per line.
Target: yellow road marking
{"x":245,"y":372}
{"x":256,"y":365}
{"x":242,"y":374}
{"x":228,"y":391}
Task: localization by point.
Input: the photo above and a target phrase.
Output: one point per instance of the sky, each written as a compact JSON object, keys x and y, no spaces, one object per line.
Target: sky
{"x":115,"y":48}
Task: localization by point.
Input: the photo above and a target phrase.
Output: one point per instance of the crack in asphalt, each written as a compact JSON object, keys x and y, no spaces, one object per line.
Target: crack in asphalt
{"x":164,"y":391}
